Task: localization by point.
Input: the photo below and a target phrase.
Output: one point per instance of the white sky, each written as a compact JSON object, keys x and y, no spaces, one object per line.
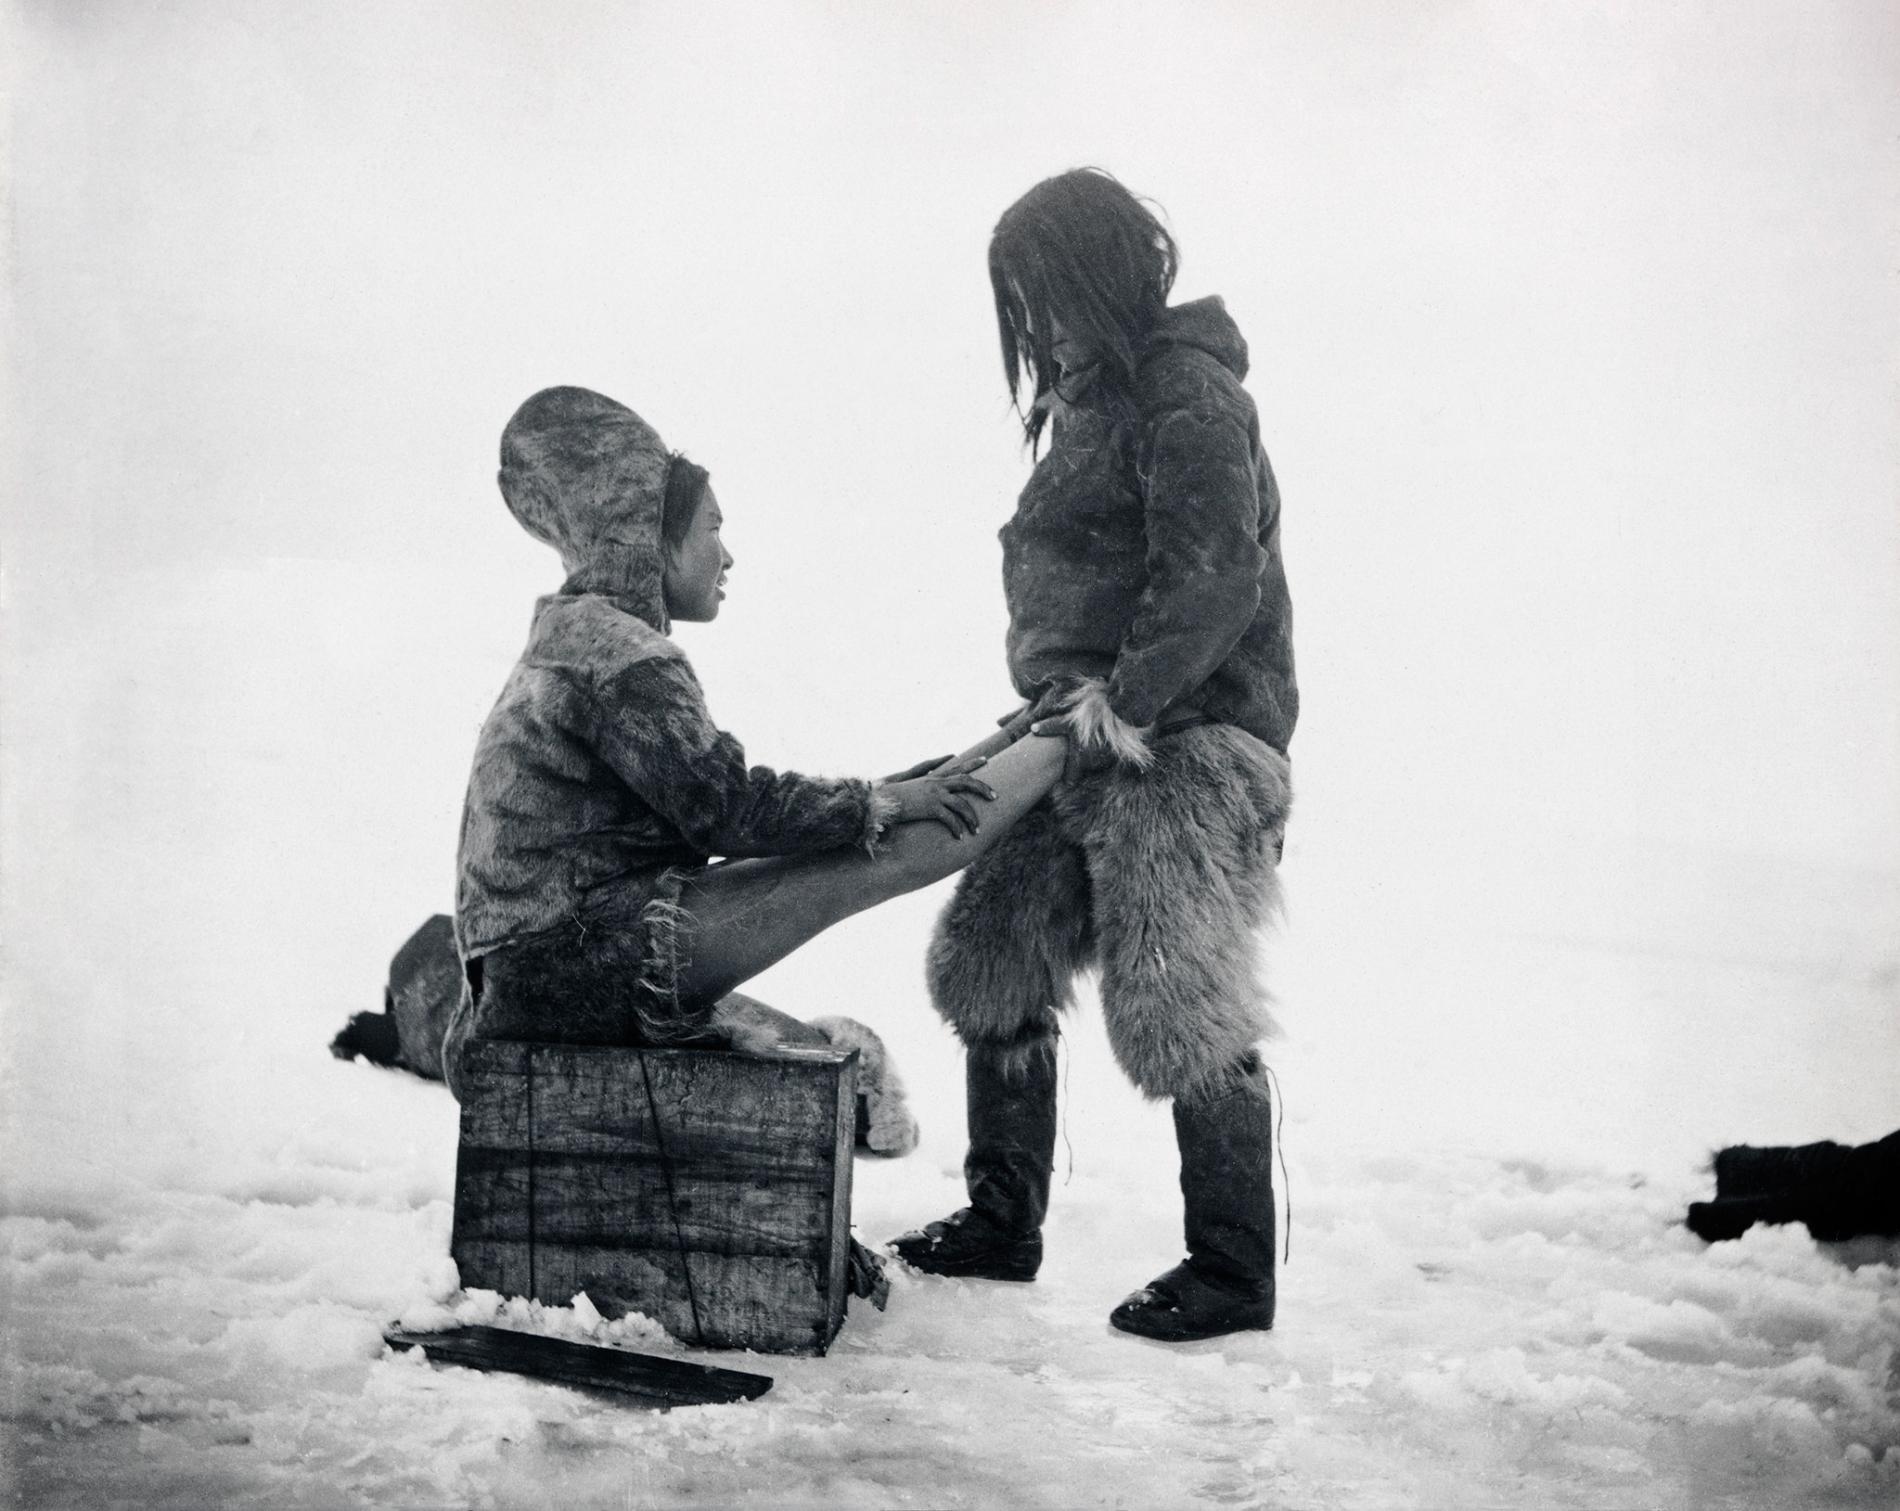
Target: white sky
{"x":1574,"y":328}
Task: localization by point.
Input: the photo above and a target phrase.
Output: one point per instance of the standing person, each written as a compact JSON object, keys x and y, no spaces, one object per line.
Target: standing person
{"x":1148,"y":608}
{"x":587,"y":906}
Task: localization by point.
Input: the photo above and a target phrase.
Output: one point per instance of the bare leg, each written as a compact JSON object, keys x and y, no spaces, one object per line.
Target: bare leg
{"x":750,"y":914}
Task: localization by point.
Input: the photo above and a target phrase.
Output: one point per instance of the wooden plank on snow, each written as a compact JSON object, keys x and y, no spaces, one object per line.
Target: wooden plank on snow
{"x":648,"y":1379}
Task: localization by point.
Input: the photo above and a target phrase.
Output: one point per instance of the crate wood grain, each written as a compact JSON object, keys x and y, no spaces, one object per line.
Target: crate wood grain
{"x":561,"y":1187}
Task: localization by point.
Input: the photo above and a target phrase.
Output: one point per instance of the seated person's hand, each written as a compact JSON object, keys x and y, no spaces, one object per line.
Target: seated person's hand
{"x":922,"y":768}
{"x":949,"y":798}
{"x":943,"y":765}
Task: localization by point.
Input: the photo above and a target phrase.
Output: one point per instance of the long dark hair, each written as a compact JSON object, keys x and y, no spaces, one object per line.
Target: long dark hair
{"x":1078,"y":247}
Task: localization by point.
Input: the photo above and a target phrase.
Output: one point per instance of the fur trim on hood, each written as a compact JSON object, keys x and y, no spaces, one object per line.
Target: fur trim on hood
{"x":586,"y":475}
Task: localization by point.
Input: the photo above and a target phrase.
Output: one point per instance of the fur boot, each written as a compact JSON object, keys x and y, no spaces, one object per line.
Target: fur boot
{"x":1226,"y":1284}
{"x":885,"y":1124}
{"x":1011,"y":1092}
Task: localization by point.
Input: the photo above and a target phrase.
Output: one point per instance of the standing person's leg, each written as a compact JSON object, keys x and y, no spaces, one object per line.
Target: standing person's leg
{"x":1226,"y":1283}
{"x":1182,"y":861}
{"x":1181,"y":865}
{"x":1002,"y":964}
{"x":746,"y":915}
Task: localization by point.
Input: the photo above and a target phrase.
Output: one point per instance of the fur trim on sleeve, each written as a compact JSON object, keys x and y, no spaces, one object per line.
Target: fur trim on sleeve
{"x":1097,"y":725}
{"x":878,"y":814}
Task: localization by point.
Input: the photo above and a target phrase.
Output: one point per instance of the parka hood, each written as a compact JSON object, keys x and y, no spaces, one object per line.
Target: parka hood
{"x":1205,"y":324}
{"x":587,"y":475}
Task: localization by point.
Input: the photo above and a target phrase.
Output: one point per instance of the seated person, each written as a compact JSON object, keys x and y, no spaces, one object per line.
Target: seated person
{"x":589,"y":908}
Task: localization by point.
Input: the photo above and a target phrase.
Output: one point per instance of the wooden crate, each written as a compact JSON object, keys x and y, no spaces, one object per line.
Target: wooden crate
{"x":560,"y":1186}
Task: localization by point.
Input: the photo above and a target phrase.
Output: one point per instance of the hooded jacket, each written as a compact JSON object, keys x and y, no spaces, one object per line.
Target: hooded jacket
{"x":1142,"y":567}
{"x":599,"y":776}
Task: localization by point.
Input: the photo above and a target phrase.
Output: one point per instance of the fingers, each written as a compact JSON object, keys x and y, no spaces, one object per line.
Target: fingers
{"x":950,"y":800}
{"x":922,"y":768}
{"x":953,"y":767}
{"x":955,"y":822}
{"x":956,"y":813}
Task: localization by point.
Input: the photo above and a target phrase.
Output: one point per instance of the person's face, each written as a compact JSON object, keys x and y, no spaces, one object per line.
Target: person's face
{"x":696,"y":568}
{"x":1070,"y":354}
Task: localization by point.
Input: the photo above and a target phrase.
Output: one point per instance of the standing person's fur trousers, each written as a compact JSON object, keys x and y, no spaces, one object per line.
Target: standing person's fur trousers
{"x":1161,"y":877}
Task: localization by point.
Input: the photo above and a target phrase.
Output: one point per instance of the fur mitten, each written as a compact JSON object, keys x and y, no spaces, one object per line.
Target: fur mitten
{"x":885,"y":1125}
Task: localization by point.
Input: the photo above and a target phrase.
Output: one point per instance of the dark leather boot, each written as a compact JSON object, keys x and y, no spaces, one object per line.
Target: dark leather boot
{"x":1012,"y":1112}
{"x":1225,"y":1285}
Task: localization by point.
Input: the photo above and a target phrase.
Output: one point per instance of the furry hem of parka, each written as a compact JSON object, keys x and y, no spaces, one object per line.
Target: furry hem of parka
{"x":1161,"y":878}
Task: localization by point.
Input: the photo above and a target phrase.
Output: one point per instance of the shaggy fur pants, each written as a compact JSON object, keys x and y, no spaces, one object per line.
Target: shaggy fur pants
{"x":1159,"y":877}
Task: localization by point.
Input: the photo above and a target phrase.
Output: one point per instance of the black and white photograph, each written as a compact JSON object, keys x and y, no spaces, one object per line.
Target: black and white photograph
{"x":964,"y":754}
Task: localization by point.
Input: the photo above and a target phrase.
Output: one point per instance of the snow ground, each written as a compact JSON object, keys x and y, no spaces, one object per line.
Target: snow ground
{"x":1502,"y":1073}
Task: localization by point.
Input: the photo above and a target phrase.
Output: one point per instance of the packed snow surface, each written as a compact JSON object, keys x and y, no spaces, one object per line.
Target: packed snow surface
{"x":1502,"y":1073}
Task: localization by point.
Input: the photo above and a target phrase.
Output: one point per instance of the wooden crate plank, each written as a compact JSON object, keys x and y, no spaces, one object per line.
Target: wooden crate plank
{"x":591,"y":1201}
{"x":488,"y":1264}
{"x":724,"y":1109}
{"x":495,"y":1105}
{"x":495,"y":1056}
{"x":493,"y":1199}
{"x":602,"y":1200}
{"x":843,"y":1164}
{"x":778,"y":1305}
{"x":757,"y":1301}
{"x":647,"y":1379}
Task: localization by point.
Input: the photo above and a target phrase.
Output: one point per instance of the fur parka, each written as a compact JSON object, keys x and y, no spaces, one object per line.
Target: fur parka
{"x":600,"y":780}
{"x":1148,"y":557}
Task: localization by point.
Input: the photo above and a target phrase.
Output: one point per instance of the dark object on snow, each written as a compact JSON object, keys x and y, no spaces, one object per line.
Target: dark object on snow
{"x":371,"y":1035}
{"x":425,"y":980}
{"x":647,"y":1378}
{"x":1010,"y":1092}
{"x":1839,"y":1191}
{"x":708,"y":1190}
